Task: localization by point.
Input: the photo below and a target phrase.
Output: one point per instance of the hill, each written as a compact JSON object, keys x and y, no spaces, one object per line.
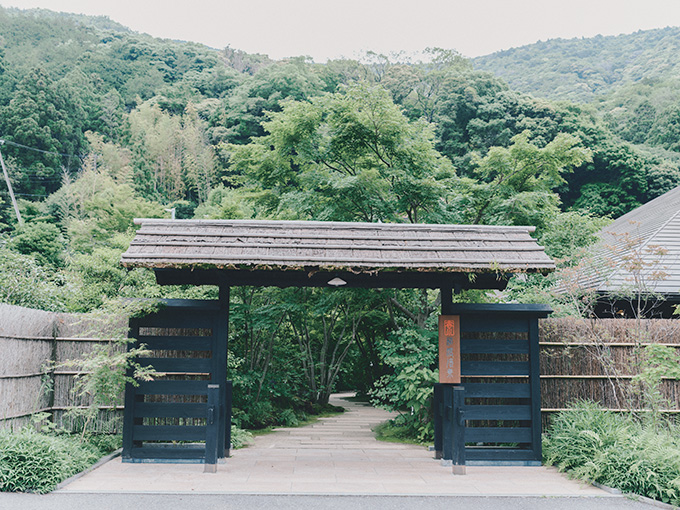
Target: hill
{"x":584,"y":69}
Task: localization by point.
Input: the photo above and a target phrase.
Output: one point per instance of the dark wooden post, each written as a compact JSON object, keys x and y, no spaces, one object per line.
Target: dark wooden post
{"x":458,"y":436}
{"x":535,"y":385}
{"x":129,"y":420}
{"x":220,"y":375}
{"x":437,"y":408}
{"x":447,"y":424}
{"x":227,"y":441}
{"x":212,"y":429}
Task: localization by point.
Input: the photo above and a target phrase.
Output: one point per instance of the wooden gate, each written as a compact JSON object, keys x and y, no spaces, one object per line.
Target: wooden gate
{"x":500,"y":375}
{"x":167,"y":418}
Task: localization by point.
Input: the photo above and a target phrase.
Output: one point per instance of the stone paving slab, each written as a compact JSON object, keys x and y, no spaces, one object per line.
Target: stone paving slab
{"x":336,"y":455}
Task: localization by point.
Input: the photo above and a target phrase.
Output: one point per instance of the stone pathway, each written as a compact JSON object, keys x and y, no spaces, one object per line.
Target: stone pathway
{"x":336,"y":455}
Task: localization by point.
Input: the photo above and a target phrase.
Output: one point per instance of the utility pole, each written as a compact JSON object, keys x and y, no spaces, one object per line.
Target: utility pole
{"x":9,"y":187}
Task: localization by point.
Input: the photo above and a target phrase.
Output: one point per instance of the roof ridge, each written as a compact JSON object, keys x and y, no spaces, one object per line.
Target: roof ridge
{"x":336,"y":224}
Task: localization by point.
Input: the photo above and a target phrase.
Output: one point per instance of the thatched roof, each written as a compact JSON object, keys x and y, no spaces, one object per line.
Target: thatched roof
{"x":650,"y":235}
{"x":355,"y":247}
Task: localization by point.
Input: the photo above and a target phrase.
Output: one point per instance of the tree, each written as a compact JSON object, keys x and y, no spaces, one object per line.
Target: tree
{"x":351,"y":155}
{"x":42,"y":240}
{"x":172,"y":156}
{"x":325,"y":325}
{"x":46,"y":116}
{"x":517,"y":182}
{"x":240,"y":118}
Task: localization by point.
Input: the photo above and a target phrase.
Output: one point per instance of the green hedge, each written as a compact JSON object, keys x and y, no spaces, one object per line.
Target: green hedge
{"x":617,"y":451}
{"x":34,"y":462}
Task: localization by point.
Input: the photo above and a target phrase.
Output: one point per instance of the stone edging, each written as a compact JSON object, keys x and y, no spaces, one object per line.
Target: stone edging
{"x":635,"y":497}
{"x":94,"y":466}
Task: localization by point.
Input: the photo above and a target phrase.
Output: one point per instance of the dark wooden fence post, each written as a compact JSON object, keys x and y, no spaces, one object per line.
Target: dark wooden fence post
{"x":437,"y":409}
{"x":212,"y":428}
{"x":458,"y":439}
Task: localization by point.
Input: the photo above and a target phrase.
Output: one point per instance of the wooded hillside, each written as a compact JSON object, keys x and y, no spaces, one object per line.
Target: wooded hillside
{"x":101,"y":125}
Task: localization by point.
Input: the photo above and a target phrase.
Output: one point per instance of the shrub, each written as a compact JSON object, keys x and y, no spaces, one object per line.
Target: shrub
{"x":617,"y":451}
{"x":105,"y":443}
{"x":240,"y":437}
{"x":34,"y":462}
{"x":408,"y":389}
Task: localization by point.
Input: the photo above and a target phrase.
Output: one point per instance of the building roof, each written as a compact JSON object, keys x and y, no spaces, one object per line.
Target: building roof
{"x":355,"y":248}
{"x":650,"y":234}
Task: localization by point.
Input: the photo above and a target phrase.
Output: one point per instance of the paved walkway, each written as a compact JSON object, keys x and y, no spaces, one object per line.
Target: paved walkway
{"x":336,"y":455}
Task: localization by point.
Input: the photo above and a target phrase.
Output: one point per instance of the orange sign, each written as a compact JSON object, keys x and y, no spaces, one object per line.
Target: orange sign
{"x":449,"y":349}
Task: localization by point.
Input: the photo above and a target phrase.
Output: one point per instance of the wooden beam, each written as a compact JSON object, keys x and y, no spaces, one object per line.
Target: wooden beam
{"x":302,"y":278}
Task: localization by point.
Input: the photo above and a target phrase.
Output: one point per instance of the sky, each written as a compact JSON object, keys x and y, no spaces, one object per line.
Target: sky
{"x":324,"y":29}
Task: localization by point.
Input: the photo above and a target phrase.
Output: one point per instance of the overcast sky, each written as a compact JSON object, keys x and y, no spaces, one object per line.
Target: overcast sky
{"x":326,"y":29}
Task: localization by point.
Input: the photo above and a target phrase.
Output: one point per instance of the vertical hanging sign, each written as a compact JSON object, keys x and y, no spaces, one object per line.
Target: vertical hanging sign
{"x":449,"y":349}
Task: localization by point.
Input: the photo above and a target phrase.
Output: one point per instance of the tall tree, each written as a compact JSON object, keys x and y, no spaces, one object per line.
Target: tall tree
{"x":351,"y":155}
{"x":46,"y":116}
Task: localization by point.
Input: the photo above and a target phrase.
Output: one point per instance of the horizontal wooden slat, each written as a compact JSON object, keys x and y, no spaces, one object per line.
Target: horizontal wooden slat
{"x":509,"y":412}
{"x":497,"y":390}
{"x":168,"y":433}
{"x":496,"y":346}
{"x":151,"y":452}
{"x":486,"y":324}
{"x":170,"y":410}
{"x":185,"y":365}
{"x":172,"y":388}
{"x":492,"y":368}
{"x":498,"y":435}
{"x":177,"y":321}
{"x":177,"y":343}
{"x":179,"y":317}
{"x":500,"y":454}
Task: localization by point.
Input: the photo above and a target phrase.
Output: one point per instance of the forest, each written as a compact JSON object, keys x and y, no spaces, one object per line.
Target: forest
{"x":100,"y":125}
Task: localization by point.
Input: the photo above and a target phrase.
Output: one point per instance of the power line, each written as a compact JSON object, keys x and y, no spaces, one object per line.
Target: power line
{"x":9,"y":187}
{"x":38,"y":150}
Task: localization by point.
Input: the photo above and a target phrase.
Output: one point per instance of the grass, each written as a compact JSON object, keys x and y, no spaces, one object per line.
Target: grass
{"x":326,"y":412}
{"x":391,"y":433}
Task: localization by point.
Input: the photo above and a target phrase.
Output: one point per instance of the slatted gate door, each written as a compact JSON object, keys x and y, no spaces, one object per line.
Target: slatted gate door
{"x":500,"y":374}
{"x":166,"y":419}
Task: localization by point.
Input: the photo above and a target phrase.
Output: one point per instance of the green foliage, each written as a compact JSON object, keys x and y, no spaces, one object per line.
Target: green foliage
{"x":658,"y":362}
{"x":411,"y":354}
{"x":581,"y":69}
{"x":240,"y":438}
{"x":42,"y":240}
{"x":390,"y":432}
{"x":34,"y":462}
{"x":614,"y":450}
{"x":42,"y":114}
{"x":346,"y":156}
{"x":172,"y":158}
{"x":24,"y":282}
{"x":108,"y":367}
{"x":517,"y":182}
{"x":567,"y":234}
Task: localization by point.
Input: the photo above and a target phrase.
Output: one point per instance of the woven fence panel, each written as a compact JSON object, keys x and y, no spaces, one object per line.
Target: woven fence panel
{"x":34,"y":344}
{"x":583,"y":359}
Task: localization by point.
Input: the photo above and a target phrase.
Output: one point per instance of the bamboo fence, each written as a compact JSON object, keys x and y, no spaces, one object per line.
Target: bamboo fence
{"x":597,"y":359}
{"x":33,"y":345}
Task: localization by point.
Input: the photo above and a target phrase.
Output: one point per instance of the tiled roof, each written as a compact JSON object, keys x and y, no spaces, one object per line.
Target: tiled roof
{"x":649,"y":234}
